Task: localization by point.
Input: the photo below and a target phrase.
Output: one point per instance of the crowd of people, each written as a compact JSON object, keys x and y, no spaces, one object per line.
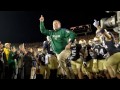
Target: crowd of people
{"x":63,"y":55}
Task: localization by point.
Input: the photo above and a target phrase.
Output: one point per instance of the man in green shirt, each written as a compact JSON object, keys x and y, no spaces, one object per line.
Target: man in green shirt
{"x":61,"y":40}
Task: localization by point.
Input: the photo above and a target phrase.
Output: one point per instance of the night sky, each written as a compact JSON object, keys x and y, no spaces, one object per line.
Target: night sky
{"x":23,"y":26}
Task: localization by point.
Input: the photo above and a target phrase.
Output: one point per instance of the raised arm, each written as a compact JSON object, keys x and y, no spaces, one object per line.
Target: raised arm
{"x":42,"y":27}
{"x":101,"y":30}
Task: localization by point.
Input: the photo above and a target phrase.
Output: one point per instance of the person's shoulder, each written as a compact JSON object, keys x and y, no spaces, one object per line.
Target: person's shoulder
{"x":51,"y":30}
{"x":66,"y":30}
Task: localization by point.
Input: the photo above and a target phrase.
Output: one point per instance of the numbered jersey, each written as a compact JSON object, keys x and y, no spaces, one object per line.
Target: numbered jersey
{"x":75,"y":52}
{"x":100,"y":52}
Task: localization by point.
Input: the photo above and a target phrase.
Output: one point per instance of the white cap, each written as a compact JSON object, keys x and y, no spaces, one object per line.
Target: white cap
{"x":7,"y":44}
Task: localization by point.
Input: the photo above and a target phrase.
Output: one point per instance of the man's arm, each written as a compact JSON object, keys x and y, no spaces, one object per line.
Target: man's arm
{"x":107,"y":35}
{"x":101,"y":30}
{"x":71,"y":37}
{"x":42,"y":27}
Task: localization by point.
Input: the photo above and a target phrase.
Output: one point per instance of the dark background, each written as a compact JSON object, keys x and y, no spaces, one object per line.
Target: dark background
{"x":23,"y":26}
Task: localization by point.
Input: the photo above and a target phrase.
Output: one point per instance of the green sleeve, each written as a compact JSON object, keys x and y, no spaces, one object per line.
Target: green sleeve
{"x":70,"y":35}
{"x":44,"y":30}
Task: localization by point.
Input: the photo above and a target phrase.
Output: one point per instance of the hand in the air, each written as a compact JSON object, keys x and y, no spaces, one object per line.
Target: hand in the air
{"x":41,"y":18}
{"x":96,"y":23}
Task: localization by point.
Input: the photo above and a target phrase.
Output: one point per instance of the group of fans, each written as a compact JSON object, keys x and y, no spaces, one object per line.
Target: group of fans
{"x":63,"y":56}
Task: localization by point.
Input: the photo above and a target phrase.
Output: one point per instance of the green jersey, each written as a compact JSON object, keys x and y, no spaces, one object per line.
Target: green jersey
{"x":59,"y":38}
{"x":11,"y":60}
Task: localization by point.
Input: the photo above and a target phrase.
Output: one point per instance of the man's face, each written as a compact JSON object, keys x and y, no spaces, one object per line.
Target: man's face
{"x":83,"y":43}
{"x":8,"y":46}
{"x":98,"y":34}
{"x":56,"y":24}
{"x":18,"y":52}
{"x":1,"y":46}
{"x":14,"y":49}
{"x":21,"y":47}
{"x":97,"y":41}
{"x":90,"y":43}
